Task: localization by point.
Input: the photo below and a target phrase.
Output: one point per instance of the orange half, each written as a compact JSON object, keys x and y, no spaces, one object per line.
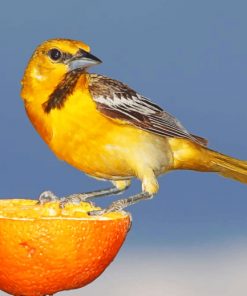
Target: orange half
{"x":45,"y":249}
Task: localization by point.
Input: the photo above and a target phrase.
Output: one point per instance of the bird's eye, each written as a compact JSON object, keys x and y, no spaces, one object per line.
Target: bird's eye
{"x":55,"y":54}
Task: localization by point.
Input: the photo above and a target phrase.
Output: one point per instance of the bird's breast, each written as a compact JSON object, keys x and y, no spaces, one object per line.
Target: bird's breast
{"x":80,"y":135}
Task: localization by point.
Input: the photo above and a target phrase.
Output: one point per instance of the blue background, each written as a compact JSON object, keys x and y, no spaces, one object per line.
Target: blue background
{"x":187,"y":56}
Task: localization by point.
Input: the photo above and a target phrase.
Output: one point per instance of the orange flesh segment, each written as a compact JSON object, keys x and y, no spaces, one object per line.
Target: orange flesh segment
{"x":30,"y":209}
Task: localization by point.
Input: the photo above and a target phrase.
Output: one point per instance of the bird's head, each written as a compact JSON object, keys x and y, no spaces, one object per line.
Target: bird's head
{"x":51,"y":61}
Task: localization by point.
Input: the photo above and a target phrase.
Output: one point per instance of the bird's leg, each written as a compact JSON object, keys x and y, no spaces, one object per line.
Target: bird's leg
{"x":119,"y":187}
{"x":87,"y":196}
{"x":123,"y":203}
{"x":48,"y":196}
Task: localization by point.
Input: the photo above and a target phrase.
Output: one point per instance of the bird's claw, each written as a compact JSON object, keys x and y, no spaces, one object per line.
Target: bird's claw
{"x":47,"y":196}
{"x":97,"y":212}
{"x":68,"y":199}
{"x":116,"y":206}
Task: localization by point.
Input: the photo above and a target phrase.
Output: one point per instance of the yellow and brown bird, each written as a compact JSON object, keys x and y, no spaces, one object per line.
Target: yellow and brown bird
{"x":106,"y":129}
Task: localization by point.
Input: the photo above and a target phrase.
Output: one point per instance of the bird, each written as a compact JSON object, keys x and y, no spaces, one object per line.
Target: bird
{"x":106,"y":129}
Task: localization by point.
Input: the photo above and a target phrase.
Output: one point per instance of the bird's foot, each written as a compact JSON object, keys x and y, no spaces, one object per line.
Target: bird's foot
{"x":97,"y":212}
{"x":116,"y":206}
{"x":47,"y":196}
{"x":119,"y":205}
{"x":74,"y":199}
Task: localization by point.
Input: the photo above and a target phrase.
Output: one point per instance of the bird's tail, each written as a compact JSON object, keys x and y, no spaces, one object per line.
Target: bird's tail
{"x":191,"y":156}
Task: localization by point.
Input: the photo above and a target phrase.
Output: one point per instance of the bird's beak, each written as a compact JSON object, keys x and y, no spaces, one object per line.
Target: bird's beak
{"x":83,"y":59}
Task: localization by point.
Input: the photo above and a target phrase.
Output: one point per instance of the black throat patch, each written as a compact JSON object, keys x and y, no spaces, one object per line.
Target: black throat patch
{"x":65,"y":88}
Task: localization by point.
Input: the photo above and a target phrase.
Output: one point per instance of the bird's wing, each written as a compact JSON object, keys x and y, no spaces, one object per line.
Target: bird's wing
{"x":116,"y":100}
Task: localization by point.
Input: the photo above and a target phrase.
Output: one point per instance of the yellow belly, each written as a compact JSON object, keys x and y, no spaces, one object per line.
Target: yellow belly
{"x":105,"y":148}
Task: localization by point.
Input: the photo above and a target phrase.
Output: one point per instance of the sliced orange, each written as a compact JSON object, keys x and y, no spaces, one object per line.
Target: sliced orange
{"x":45,"y":248}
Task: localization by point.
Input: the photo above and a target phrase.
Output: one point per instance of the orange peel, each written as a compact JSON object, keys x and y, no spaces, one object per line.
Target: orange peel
{"x":45,"y":248}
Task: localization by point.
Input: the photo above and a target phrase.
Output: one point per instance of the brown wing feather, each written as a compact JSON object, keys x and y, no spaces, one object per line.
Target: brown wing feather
{"x":116,"y":100}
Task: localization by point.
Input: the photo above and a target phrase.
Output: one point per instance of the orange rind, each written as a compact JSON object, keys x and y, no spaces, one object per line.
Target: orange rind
{"x":45,"y":248}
